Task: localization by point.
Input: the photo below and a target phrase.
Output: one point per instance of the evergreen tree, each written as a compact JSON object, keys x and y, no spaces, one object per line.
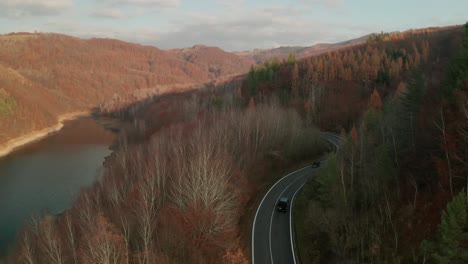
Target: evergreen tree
{"x":291,"y":59}
{"x":458,"y":71}
{"x":326,"y":184}
{"x":416,"y":89}
{"x":451,"y":245}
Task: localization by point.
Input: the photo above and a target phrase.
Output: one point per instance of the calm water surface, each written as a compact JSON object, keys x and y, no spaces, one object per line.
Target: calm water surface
{"x":47,"y":175}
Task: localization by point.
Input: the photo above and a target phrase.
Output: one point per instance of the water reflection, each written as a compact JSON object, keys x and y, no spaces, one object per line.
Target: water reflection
{"x":46,"y":175}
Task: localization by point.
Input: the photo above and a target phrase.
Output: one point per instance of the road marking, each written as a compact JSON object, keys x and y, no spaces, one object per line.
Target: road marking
{"x":274,"y":208}
{"x":291,"y":222}
{"x":271,"y":188}
{"x":260,"y":206}
{"x":294,"y":196}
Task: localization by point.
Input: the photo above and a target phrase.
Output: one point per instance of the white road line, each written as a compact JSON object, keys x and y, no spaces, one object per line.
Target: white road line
{"x":273,"y":212}
{"x":271,"y":188}
{"x":294,"y":196}
{"x":291,"y":222}
{"x":260,"y":205}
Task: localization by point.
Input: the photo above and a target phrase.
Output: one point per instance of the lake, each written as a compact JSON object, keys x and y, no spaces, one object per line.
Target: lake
{"x":47,"y":175}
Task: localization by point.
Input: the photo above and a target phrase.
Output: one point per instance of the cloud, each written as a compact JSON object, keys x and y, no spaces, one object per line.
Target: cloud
{"x":148,"y":3}
{"x":108,"y":13}
{"x":326,"y":3}
{"x":231,"y":29}
{"x":118,"y":9}
{"x":242,"y":30}
{"x":20,"y":8}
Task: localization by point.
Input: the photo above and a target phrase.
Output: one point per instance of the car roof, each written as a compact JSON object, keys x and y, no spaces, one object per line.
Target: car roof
{"x":283,"y":199}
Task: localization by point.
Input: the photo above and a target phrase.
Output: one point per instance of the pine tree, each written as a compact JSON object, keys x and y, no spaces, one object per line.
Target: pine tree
{"x":458,"y":71}
{"x":416,"y":89}
{"x":451,"y":245}
{"x":291,"y":59}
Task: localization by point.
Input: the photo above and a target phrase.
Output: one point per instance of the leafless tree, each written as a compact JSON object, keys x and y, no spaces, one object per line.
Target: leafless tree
{"x":104,"y":244}
{"x":51,"y":244}
{"x":442,"y":129}
{"x":71,"y":237}
{"x":27,"y":249}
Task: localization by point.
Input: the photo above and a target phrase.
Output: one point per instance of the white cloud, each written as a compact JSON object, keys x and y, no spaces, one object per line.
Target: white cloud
{"x":118,"y":9}
{"x":235,"y":26}
{"x":19,"y":8}
{"x":108,"y":13}
{"x":147,"y":3}
{"x":154,"y":2}
{"x":242,"y":29}
{"x":232,"y":29}
{"x":326,"y":3}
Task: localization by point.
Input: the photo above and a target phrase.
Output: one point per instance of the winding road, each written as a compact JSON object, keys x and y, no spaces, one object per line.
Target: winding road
{"x":272,"y":231}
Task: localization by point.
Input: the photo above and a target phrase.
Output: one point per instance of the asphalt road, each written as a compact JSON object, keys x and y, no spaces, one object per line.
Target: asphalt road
{"x":272,"y":236}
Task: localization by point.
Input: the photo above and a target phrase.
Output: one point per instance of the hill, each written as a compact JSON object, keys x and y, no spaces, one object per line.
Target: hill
{"x":183,"y":187}
{"x":394,"y":193}
{"x":213,"y":60}
{"x":261,"y":56}
{"x":44,"y":76}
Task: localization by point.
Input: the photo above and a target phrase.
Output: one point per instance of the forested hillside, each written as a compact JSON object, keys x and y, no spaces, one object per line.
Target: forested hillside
{"x":282,"y":53}
{"x":45,"y":75}
{"x":400,"y":101}
{"x":178,"y":189}
{"x":180,"y":186}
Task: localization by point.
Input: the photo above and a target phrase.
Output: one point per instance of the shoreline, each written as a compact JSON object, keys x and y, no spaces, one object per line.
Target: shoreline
{"x":13,"y":144}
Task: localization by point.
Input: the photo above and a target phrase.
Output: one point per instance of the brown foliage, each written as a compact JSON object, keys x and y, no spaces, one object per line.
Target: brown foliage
{"x":375,"y":100}
{"x":49,"y":75}
{"x":176,"y":197}
{"x":252,"y":103}
{"x":354,"y":136}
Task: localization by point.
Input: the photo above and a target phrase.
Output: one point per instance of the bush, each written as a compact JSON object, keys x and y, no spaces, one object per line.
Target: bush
{"x":7,"y":103}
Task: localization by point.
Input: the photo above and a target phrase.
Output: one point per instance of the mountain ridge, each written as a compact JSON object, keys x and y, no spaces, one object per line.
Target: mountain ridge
{"x":46,"y":75}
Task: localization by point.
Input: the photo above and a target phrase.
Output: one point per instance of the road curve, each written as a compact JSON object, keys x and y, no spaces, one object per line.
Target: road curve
{"x":272,"y":236}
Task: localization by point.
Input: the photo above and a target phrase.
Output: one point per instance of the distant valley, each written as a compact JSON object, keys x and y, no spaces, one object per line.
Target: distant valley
{"x":46,"y":76}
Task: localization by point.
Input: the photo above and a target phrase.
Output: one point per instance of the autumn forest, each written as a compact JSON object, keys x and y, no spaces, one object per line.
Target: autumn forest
{"x":207,"y":132}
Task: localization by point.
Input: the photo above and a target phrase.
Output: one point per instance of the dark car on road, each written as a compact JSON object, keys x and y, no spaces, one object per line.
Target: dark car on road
{"x":282,"y":204}
{"x":316,"y":164}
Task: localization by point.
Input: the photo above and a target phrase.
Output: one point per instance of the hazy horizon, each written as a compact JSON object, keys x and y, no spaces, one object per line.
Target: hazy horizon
{"x":232,"y":25}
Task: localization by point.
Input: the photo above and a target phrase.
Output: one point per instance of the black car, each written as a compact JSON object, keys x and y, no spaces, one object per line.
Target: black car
{"x":316,"y":164}
{"x":282,"y":204}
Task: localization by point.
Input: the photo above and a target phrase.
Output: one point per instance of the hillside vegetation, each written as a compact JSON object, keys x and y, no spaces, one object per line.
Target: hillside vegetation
{"x":380,"y":200}
{"x":401,"y":103}
{"x":282,"y":53}
{"x":179,"y":195}
{"x":45,"y":75}
{"x":180,"y":184}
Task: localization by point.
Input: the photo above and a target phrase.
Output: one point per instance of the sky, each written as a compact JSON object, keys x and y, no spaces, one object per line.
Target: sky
{"x":235,"y":25}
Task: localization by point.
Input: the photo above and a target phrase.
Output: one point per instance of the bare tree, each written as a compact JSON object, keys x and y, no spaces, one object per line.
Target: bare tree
{"x":27,"y":249}
{"x":51,"y":244}
{"x":71,"y":237}
{"x":442,"y":130}
{"x":105,"y":244}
